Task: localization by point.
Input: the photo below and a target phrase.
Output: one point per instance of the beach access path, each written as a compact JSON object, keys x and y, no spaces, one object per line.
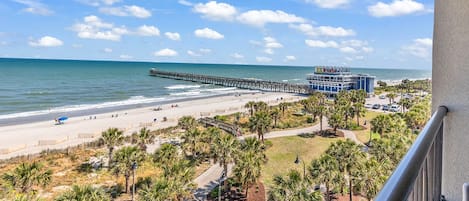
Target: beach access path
{"x":32,"y":138}
{"x":211,"y":177}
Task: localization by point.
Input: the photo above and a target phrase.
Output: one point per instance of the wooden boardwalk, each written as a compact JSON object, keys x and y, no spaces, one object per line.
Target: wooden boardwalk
{"x":229,"y":128}
{"x":235,"y":82}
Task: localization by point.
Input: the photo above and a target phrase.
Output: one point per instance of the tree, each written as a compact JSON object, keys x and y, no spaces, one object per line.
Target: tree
{"x":349,"y":156}
{"x":187,"y":122}
{"x":381,"y":124}
{"x":225,"y":149}
{"x":167,"y":154}
{"x":249,"y":160}
{"x":192,"y":141}
{"x":180,"y":176}
{"x":250,"y":105}
{"x":125,"y":158}
{"x":112,"y":137}
{"x":260,"y":123}
{"x":391,"y":97}
{"x":382,"y":84}
{"x":143,"y":138}
{"x":160,"y":190}
{"x":27,"y":175}
{"x":358,"y":99}
{"x":293,"y":187}
{"x":335,"y":119}
{"x":283,"y":106}
{"x":260,"y":106}
{"x":371,"y":178}
{"x":83,"y":193}
{"x":275,"y":114}
{"x":325,"y":170}
{"x":405,"y":103}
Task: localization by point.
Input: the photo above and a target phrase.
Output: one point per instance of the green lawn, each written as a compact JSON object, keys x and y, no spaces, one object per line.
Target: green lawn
{"x":282,"y":154}
{"x":364,"y":135}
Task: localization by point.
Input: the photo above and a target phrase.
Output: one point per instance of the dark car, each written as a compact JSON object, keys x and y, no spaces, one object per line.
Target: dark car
{"x":376,"y":106}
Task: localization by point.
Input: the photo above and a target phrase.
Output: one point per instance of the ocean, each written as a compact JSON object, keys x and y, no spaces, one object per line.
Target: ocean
{"x":35,"y":87}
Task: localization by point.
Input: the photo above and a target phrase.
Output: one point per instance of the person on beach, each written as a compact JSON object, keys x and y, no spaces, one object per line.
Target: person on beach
{"x":154,"y":120}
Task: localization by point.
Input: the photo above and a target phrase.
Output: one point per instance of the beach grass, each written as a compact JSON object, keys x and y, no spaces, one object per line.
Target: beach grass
{"x":282,"y":154}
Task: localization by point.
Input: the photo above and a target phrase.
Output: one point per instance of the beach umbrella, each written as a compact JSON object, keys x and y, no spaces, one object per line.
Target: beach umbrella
{"x":62,"y":118}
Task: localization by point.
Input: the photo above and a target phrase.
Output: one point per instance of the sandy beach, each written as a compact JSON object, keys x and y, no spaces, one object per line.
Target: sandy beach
{"x":31,"y":138}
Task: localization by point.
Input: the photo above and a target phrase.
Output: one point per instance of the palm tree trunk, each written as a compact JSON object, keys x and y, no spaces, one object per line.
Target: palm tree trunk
{"x":350,"y":187}
{"x":358,"y":118}
{"x":225,"y":169}
{"x":247,"y":189}
{"x":320,"y":123}
{"x":110,"y":157}
{"x":328,"y":197}
{"x":127,"y":182}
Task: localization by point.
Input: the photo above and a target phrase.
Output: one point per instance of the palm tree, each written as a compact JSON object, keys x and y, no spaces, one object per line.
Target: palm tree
{"x":225,"y":149}
{"x":249,"y":162}
{"x":358,"y":100}
{"x":180,"y":176}
{"x":325,"y":170}
{"x":112,"y":137}
{"x":293,"y":188}
{"x":335,"y":119}
{"x":405,"y":103}
{"x":275,"y":114}
{"x":160,"y":190}
{"x":250,"y":105}
{"x":391,"y":97}
{"x":187,"y":122}
{"x":260,"y":123}
{"x":191,"y":142}
{"x":283,"y":106}
{"x":167,"y":154}
{"x":27,"y":175}
{"x":125,"y":158}
{"x":143,"y":138}
{"x":381,"y":124}
{"x":261,"y":106}
{"x":371,"y":178}
{"x":83,"y":193}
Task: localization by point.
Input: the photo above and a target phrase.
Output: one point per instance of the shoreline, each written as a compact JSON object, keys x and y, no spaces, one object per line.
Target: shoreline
{"x":34,"y":137}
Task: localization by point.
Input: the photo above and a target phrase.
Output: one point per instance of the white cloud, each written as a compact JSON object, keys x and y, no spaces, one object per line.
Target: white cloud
{"x":269,"y":51}
{"x":216,"y":11}
{"x":99,"y":2}
{"x":173,"y":36}
{"x":348,"y":49}
{"x":205,"y":50}
{"x":329,"y":3}
{"x":135,"y":11}
{"x":35,"y":7}
{"x":290,"y":58}
{"x":165,"y":53}
{"x":125,"y":56}
{"x":421,"y":47}
{"x":94,"y":28}
{"x":107,"y":50}
{"x":263,"y":59}
{"x":323,"y":30}
{"x":208,"y":33}
{"x":148,"y":31}
{"x":396,"y":8}
{"x":46,"y":41}
{"x":272,"y":43}
{"x":185,"y":3}
{"x":191,"y":53}
{"x":261,"y":17}
{"x":321,"y":44}
{"x":237,"y":55}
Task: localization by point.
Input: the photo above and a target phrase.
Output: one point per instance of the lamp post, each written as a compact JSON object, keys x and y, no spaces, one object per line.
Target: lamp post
{"x":134,"y":167}
{"x":219,"y":184}
{"x":297,"y":161}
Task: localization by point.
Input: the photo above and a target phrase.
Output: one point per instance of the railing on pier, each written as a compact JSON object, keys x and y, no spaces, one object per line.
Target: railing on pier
{"x":418,"y":176}
{"x":229,"y":128}
{"x":235,"y":82}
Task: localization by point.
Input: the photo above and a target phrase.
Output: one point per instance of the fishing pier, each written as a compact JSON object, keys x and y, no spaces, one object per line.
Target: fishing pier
{"x":235,"y":82}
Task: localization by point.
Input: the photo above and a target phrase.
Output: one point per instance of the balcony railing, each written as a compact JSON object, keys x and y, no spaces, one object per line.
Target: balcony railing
{"x":418,"y":176}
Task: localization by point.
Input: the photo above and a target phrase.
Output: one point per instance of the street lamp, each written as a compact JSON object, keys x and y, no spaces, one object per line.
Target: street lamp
{"x":219,"y":184}
{"x":134,"y":167}
{"x":297,"y":161}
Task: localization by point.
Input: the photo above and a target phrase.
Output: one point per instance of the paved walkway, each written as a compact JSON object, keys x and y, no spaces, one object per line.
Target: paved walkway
{"x":210,"y":178}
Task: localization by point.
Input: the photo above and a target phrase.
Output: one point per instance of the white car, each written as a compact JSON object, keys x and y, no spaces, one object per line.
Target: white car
{"x":368,"y":105}
{"x":395,"y":108}
{"x":382,"y":97}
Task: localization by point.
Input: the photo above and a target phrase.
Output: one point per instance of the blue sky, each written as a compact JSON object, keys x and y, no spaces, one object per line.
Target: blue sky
{"x":358,"y":33}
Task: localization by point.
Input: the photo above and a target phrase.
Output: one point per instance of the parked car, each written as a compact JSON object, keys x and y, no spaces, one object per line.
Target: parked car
{"x":395,"y":108}
{"x":376,"y":106}
{"x":385,"y":107}
{"x":368,"y":105}
{"x":382,"y":97}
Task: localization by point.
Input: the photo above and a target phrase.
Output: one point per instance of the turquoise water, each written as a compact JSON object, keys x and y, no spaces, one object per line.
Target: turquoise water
{"x":34,"y":87}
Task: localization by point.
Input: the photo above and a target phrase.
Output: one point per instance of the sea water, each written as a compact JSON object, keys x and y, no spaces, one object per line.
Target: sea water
{"x":33,"y":87}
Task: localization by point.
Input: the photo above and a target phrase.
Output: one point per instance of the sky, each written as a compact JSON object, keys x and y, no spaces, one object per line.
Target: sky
{"x":356,"y":33}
